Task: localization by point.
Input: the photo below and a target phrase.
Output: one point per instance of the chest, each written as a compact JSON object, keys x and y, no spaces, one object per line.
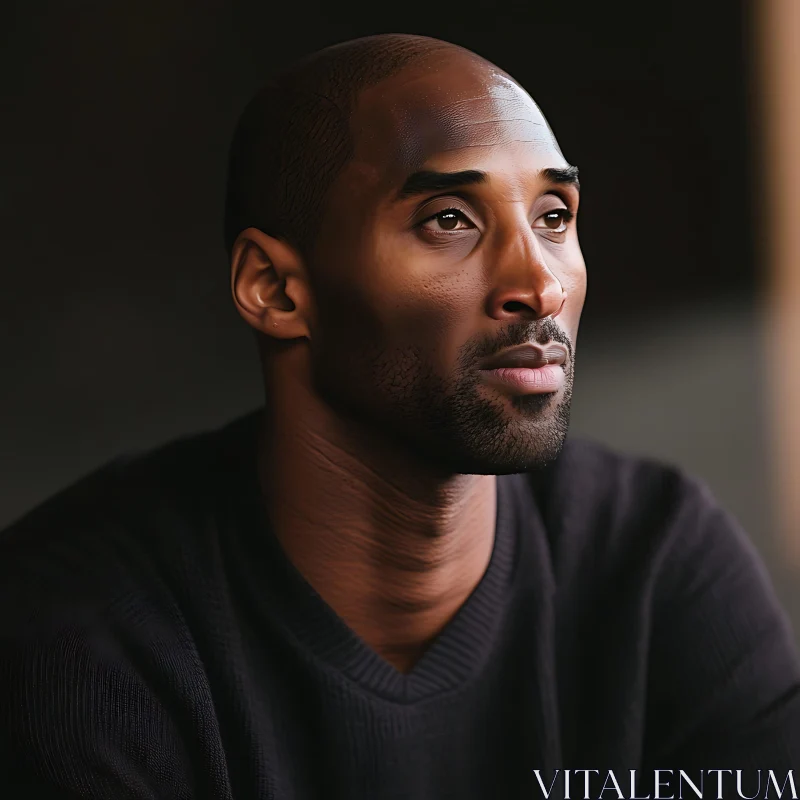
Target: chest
{"x":292,"y":728}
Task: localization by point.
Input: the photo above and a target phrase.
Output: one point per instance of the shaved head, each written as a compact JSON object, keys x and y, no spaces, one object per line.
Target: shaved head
{"x":295,"y":135}
{"x":398,"y":212}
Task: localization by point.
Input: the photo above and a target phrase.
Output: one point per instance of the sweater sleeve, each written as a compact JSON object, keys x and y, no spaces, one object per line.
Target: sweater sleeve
{"x":77,"y":719}
{"x":724,"y":674}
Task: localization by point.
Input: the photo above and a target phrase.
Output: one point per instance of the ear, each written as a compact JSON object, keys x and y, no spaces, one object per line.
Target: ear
{"x":269,"y":286}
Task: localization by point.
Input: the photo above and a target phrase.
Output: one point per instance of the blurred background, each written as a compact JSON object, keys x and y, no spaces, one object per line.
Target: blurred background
{"x":118,"y":331}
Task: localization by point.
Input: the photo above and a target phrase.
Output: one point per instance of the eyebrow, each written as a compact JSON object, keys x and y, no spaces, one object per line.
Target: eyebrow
{"x":426,"y":181}
{"x":565,"y":175}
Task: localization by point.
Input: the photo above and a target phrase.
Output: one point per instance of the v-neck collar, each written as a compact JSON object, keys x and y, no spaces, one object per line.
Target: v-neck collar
{"x":280,"y":592}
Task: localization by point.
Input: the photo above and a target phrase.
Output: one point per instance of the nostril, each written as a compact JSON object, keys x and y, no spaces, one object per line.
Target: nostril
{"x":514,"y":305}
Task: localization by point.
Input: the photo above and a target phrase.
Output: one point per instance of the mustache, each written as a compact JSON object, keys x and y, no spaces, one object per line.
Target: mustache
{"x":540,"y":331}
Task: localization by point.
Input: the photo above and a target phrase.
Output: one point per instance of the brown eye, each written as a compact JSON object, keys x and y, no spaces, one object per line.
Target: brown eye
{"x":556,"y":220}
{"x":449,"y":219}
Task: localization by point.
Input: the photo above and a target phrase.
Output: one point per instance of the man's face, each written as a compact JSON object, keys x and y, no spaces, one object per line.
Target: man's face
{"x":415,"y":289}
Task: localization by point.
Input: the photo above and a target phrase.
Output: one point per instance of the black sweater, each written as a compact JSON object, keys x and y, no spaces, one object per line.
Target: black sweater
{"x":155,"y":642}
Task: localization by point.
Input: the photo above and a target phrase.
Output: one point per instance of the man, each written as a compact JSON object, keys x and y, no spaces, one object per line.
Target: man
{"x":400,"y":579}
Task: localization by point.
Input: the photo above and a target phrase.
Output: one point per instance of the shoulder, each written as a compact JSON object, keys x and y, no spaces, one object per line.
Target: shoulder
{"x":607,"y":476}
{"x":90,"y":613}
{"x":655,"y":563}
{"x":644,"y":526}
{"x":597,"y":497}
{"x":115,"y":533}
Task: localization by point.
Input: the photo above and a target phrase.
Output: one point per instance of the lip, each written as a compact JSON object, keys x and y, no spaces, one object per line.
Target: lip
{"x":527,"y":380}
{"x":527,"y":356}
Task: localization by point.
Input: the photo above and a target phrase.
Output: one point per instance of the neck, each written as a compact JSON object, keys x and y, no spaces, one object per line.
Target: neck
{"x":392,"y":546}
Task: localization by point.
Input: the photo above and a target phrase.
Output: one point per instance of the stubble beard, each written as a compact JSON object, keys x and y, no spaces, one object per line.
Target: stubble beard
{"x":458,"y":426}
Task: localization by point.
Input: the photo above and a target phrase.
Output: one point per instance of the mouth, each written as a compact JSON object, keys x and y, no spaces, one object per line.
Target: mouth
{"x":528,"y":369}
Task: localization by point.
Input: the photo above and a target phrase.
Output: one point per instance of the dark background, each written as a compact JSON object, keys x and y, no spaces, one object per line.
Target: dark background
{"x":118,"y":328}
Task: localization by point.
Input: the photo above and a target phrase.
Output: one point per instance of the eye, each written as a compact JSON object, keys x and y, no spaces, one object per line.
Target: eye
{"x":556,"y":220}
{"x":447,"y":221}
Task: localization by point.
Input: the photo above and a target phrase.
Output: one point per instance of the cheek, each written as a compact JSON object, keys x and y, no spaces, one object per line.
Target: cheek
{"x":376,"y":293}
{"x":435,"y":310}
{"x":405,"y":298}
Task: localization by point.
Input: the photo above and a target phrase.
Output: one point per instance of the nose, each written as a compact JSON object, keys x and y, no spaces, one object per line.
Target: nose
{"x":523,"y":286}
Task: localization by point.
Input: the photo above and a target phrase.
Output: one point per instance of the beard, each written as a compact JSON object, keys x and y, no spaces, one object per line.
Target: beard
{"x":455,"y":424}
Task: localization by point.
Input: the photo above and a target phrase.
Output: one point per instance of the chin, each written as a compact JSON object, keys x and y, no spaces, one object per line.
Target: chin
{"x":517,"y":448}
{"x":498,"y":436}
{"x":528,"y":462}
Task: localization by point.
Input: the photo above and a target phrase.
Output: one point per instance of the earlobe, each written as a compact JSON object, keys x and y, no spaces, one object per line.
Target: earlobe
{"x":269,"y":286}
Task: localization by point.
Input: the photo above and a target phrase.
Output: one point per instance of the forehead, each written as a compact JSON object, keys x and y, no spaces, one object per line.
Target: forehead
{"x":439,"y":106}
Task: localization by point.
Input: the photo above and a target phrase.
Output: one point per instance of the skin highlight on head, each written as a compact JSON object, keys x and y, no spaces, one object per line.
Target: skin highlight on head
{"x":445,"y":234}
